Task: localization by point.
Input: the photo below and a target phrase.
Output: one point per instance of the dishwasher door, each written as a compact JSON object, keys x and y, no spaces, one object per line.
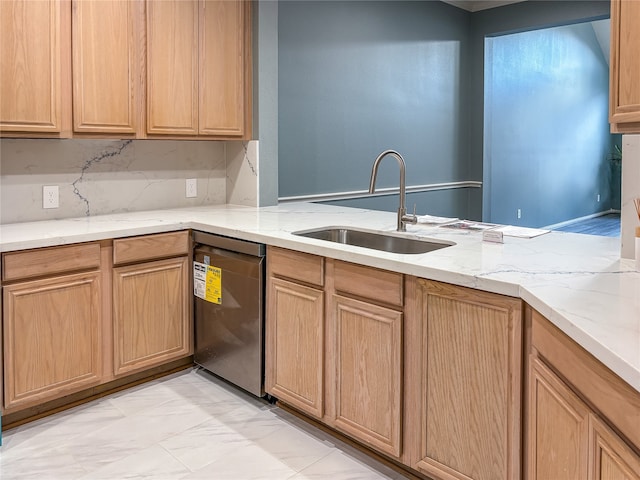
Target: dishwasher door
{"x":229,"y":336}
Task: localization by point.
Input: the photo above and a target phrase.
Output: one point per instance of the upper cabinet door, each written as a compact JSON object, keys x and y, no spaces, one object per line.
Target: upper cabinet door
{"x":172,"y":67}
{"x":35,"y":67}
{"x":104,"y":66}
{"x":624,"y":109}
{"x":222,"y":67}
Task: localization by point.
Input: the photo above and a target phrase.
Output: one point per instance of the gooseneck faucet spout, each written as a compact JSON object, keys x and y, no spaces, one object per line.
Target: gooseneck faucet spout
{"x":403,"y":218}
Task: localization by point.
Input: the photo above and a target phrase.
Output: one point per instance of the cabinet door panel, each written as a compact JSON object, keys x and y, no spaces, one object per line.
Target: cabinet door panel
{"x":51,"y":338}
{"x":104,"y":66}
{"x":558,"y":423}
{"x":368,"y":363}
{"x":172,"y":67}
{"x":470,"y":383}
{"x":625,"y":63}
{"x":150,"y":314}
{"x":32,"y":48}
{"x":222,"y":62}
{"x":611,"y":458}
{"x":295,"y":345}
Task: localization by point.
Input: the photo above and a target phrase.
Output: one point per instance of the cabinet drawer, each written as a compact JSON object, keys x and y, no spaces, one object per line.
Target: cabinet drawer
{"x":296,"y":265}
{"x":150,"y":247}
{"x":367,"y":282}
{"x":47,"y":261}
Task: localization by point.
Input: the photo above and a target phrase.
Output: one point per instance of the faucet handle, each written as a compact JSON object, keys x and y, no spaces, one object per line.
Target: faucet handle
{"x":412,"y":219}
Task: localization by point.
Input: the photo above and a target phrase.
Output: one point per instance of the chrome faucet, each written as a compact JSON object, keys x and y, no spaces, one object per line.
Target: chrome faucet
{"x":403,"y":218}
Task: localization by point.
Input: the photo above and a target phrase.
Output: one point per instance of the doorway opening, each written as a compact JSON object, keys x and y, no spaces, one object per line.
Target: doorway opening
{"x":549,"y":158}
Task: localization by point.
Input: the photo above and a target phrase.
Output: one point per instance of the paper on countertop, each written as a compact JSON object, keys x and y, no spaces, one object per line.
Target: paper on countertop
{"x":521,"y":232}
{"x":433,"y":220}
{"x":469,"y":225}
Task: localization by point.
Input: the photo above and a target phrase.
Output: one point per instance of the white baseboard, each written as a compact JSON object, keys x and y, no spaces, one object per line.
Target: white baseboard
{"x":576,"y":220}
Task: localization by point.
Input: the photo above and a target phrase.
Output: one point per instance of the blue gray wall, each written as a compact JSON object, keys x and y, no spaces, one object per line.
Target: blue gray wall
{"x":546,"y":126}
{"x":358,"y":77}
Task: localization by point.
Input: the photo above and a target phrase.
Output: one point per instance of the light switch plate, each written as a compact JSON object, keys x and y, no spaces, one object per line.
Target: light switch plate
{"x":50,"y":196}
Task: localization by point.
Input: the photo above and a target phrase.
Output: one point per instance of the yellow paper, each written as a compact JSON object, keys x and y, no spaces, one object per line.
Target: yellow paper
{"x":213,"y":291}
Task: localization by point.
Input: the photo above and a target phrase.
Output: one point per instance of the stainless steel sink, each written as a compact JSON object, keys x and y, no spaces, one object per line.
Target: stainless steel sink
{"x":385,"y":241}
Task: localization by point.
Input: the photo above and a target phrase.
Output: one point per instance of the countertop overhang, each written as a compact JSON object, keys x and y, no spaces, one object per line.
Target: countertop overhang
{"x":578,"y":282}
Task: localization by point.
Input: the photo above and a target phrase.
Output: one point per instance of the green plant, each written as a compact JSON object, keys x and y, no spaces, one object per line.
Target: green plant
{"x":615,"y":157}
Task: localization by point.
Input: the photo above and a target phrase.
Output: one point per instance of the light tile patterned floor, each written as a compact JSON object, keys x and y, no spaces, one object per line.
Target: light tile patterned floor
{"x":188,"y":425}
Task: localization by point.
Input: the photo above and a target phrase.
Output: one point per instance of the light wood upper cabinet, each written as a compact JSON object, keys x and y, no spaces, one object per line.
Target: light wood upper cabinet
{"x":106,"y":65}
{"x":222,"y":68}
{"x":125,"y":69}
{"x":35,"y":47}
{"x":624,"y":108}
{"x":172,"y":67}
{"x":197,"y":67}
{"x":464,"y":382}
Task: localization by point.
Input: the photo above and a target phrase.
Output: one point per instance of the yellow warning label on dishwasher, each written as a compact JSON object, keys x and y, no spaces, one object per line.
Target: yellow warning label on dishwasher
{"x":207,"y":282}
{"x":214,"y":285}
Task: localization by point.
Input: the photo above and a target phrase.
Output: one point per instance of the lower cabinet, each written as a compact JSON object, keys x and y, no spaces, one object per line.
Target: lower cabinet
{"x":610,"y":457}
{"x":151,"y":310}
{"x":51,"y":338}
{"x":558,"y":428}
{"x":566,"y":437}
{"x":334,"y":344}
{"x":425,"y":373}
{"x":368,"y":372}
{"x":150,"y":314}
{"x":568,"y":440}
{"x":364,"y":323}
{"x":71,"y":322}
{"x":464,"y":382}
{"x":295,"y":344}
{"x":52,"y":322}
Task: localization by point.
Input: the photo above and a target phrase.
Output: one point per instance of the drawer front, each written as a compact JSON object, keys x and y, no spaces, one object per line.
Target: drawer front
{"x":150,"y":247}
{"x":47,"y":261}
{"x":368,"y":282}
{"x":296,"y":265}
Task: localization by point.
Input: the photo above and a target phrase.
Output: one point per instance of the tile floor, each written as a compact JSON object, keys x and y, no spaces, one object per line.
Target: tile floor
{"x":188,"y":425}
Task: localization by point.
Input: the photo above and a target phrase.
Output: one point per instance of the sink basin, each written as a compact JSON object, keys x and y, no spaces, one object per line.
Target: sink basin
{"x":384,"y":241}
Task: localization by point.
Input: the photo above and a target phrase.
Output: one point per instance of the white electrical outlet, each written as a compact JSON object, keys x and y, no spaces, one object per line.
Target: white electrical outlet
{"x":50,"y":196}
{"x":598,"y":197}
{"x":519,"y":213}
{"x":191,"y":187}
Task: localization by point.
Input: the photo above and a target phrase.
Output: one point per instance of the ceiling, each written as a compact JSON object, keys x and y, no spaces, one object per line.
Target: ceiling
{"x":476,"y":5}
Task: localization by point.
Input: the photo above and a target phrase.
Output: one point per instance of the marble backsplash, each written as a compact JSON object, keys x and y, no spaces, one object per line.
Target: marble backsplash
{"x":109,"y":176}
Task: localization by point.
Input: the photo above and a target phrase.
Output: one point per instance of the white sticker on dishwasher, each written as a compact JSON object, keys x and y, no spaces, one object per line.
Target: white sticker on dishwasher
{"x":199,"y":279}
{"x":207,"y":282}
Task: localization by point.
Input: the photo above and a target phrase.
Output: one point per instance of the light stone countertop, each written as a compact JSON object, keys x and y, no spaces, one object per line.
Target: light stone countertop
{"x":576,"y":281}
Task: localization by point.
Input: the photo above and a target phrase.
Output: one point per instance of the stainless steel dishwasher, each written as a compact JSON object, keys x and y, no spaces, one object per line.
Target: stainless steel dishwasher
{"x":228,"y":287}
